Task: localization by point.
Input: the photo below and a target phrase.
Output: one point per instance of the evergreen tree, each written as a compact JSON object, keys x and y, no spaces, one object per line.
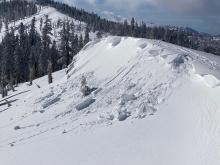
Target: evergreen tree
{"x":41,"y":23}
{"x":17,"y":62}
{"x":86,"y":39}
{"x":132,"y":27}
{"x":80,"y":42}
{"x":24,"y":46}
{"x":49,"y":72}
{"x":136,"y":30}
{"x":74,"y":45}
{"x":72,"y":27}
{"x":99,"y":35}
{"x":1,"y":24}
{"x":17,"y":9}
{"x":32,"y":33}
{"x":46,"y":41}
{"x":54,"y":57}
{"x":125,"y":29}
{"x":32,"y":64}
{"x":65,"y":44}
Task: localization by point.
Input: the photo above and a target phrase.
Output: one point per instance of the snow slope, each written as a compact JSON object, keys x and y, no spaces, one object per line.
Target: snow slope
{"x":153,"y":103}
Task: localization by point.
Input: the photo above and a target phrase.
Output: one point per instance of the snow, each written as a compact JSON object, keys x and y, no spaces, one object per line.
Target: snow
{"x":154,"y":103}
{"x":85,"y":104}
{"x":211,"y":81}
{"x":126,"y":98}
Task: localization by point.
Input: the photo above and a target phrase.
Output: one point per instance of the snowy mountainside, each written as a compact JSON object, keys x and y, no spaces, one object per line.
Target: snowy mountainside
{"x":55,"y":16}
{"x":152,"y":103}
{"x":112,"y":16}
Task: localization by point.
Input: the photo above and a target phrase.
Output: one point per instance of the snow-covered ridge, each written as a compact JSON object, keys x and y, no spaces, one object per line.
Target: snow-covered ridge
{"x":152,"y":103}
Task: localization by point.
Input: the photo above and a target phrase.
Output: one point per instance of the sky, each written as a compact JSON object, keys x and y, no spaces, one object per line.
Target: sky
{"x":201,"y":15}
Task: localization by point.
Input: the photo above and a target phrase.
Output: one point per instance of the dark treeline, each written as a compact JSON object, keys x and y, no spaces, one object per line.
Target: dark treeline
{"x":178,"y":36}
{"x":29,"y":55}
{"x":16,"y":9}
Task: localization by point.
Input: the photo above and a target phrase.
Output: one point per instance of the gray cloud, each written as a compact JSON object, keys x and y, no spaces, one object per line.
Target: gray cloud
{"x":202,"y":15}
{"x":210,"y":7}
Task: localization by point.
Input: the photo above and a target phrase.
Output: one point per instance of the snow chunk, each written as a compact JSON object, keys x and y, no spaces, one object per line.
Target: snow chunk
{"x":145,"y":109}
{"x":130,"y":86}
{"x":50,"y":102}
{"x":17,"y":127}
{"x":85,"y":104}
{"x":123,"y":114}
{"x":126,"y":98}
{"x":179,"y":60}
{"x":211,"y":81}
{"x":107,"y":116}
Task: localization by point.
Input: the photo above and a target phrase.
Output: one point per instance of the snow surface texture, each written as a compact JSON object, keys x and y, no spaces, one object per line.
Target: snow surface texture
{"x":154,"y":103}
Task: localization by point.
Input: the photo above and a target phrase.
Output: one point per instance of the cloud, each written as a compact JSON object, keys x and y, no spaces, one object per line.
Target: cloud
{"x":72,"y":2}
{"x":131,"y":5}
{"x":202,"y":15}
{"x":207,"y":7}
{"x":211,"y":7}
{"x":204,"y":7}
{"x":195,"y":7}
{"x":91,"y":1}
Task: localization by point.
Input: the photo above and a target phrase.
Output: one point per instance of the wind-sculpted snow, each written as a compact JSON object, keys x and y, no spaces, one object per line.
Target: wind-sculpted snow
{"x":114,"y":41}
{"x":152,"y":103}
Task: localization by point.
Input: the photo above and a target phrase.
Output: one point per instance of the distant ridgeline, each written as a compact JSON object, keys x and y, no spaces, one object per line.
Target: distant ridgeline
{"x":179,"y":36}
{"x":16,"y":9}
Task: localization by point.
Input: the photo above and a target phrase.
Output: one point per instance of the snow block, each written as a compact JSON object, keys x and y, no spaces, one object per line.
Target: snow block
{"x":126,"y":98}
{"x":211,"y":81}
{"x":130,"y":86}
{"x":123,"y":114}
{"x":179,"y":60}
{"x":17,"y":127}
{"x":145,"y":110}
{"x":85,"y":104}
{"x":50,"y":102}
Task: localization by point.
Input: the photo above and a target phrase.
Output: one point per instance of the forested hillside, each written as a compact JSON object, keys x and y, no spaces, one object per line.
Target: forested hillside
{"x":176,"y":35}
{"x":16,"y":9}
{"x":45,"y":45}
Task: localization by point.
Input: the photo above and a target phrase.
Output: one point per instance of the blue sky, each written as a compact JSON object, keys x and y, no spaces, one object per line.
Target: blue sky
{"x":202,"y":15}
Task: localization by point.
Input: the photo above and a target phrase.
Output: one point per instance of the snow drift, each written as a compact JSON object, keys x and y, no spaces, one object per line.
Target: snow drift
{"x":154,"y":103}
